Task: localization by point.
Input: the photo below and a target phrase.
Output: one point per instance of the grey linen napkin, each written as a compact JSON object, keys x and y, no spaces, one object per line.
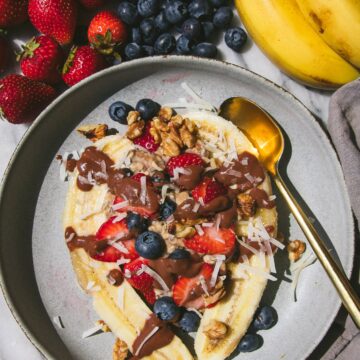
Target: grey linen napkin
{"x":344,"y":128}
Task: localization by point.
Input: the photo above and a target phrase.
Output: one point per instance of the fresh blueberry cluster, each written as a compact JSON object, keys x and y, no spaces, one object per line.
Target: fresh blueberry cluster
{"x":161,"y":27}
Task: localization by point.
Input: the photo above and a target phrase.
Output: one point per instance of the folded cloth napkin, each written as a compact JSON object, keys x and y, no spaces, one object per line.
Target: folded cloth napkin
{"x":344,"y":128}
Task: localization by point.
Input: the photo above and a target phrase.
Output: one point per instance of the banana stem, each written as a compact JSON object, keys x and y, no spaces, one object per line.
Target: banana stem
{"x":347,"y":293}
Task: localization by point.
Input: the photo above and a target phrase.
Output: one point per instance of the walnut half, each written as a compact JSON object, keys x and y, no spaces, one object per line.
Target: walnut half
{"x":93,"y":132}
{"x":120,"y":350}
{"x":295,"y":249}
{"x":247,"y":205}
{"x":215,"y":330}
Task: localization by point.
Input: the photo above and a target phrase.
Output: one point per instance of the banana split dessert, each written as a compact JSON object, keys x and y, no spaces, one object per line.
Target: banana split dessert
{"x":172,"y":225}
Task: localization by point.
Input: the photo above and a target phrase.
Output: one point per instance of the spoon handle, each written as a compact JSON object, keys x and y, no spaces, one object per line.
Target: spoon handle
{"x":347,"y":293}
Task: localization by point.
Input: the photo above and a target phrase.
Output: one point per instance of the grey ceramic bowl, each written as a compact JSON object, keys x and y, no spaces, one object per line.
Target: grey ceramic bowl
{"x":36,"y":274}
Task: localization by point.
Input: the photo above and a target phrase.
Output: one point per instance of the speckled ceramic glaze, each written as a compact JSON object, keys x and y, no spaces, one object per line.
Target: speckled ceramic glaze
{"x":36,"y":273}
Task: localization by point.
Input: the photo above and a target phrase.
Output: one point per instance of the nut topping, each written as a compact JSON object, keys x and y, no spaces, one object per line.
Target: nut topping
{"x":247,"y":205}
{"x":135,"y":129}
{"x":295,"y":249}
{"x":93,"y":132}
{"x":215,"y":330}
{"x":120,"y":350}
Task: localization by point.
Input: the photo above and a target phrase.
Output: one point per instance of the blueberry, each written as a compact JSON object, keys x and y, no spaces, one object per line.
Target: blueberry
{"x":208,"y":29}
{"x":167,"y":208}
{"x":218,"y":3}
{"x":183,"y":45}
{"x":148,"y":50}
{"x":119,"y":110}
{"x":147,"y":8}
{"x":222,"y":17}
{"x":149,"y":31}
{"x":133,"y":51}
{"x":200,"y":9}
{"x":190,"y":321}
{"x":235,"y":38}
{"x":179,"y":254}
{"x":126,"y":171}
{"x":166,"y":309}
{"x":150,"y":245}
{"x":161,"y":22}
{"x":249,"y":342}
{"x":205,"y":49}
{"x":164,"y":44}
{"x":136,"y":222}
{"x":192,"y":29}
{"x":147,"y":108}
{"x":265,"y":318}
{"x":128,"y":13}
{"x":175,"y":11}
{"x":136,"y":35}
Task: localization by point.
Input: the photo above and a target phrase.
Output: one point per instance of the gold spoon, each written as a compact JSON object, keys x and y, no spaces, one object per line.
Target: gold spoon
{"x":267,"y":137}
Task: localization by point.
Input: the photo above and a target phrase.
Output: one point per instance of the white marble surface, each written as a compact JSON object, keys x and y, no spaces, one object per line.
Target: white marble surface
{"x":13,"y":343}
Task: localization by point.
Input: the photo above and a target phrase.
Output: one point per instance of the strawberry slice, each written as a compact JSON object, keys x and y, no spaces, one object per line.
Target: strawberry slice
{"x":185,"y":289}
{"x":208,"y":190}
{"x":146,"y":140}
{"x":141,"y":210}
{"x":183,"y":161}
{"x":213,"y":241}
{"x":142,"y":282}
{"x":110,"y":230}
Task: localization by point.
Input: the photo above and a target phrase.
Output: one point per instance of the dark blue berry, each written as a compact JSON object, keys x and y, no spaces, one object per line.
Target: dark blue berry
{"x":119,"y":110}
{"x":192,"y":29}
{"x":222,"y":17}
{"x":165,"y":44}
{"x":126,"y":171}
{"x":208,"y":29}
{"x":150,"y":245}
{"x":136,"y":35}
{"x":136,"y":223}
{"x":175,"y":11}
{"x":235,"y":38}
{"x":166,"y":309}
{"x":147,"y":108}
{"x":206,"y":50}
{"x":148,"y":50}
{"x":217,"y":3}
{"x":183,"y":45}
{"x":167,"y":208}
{"x":161,"y":22}
{"x":249,"y":342}
{"x":264,"y":318}
{"x":149,"y":31}
{"x":147,"y":8}
{"x":200,"y":9}
{"x":190,"y":321}
{"x":133,"y":51}
{"x":128,"y":13}
{"x":179,"y":254}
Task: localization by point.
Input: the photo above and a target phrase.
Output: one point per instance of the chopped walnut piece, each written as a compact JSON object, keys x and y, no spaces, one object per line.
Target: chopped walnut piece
{"x":165,"y":113}
{"x":93,"y":132}
{"x":215,"y":330}
{"x":295,"y":249}
{"x":170,"y":147}
{"x":104,"y":328}
{"x":247,"y":205}
{"x":120,"y":350}
{"x":135,"y":129}
{"x":133,"y":117}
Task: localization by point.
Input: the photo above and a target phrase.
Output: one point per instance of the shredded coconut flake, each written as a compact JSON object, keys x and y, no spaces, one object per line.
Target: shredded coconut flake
{"x":157,"y":277}
{"x":199,"y":229}
{"x":203,"y":285}
{"x":196,"y":312}
{"x":234,"y":173}
{"x":215,"y":272}
{"x":92,"y":331}
{"x":271,"y":256}
{"x":217,"y":222}
{"x":164,"y":191}
{"x":244,"y":161}
{"x":249,"y":247}
{"x":201,"y":201}
{"x":257,"y":271}
{"x":119,"y":246}
{"x":58,"y":322}
{"x":120,"y":205}
{"x":68,"y":239}
{"x":143,"y":189}
{"x":120,"y":217}
{"x":272,"y":197}
{"x":249,"y":177}
{"x":209,"y":224}
{"x":147,"y":337}
{"x":127,"y":273}
{"x":122,"y":261}
{"x":196,"y":207}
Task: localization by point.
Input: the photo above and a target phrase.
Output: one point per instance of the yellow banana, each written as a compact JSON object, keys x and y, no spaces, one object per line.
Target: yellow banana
{"x":338,"y":24}
{"x":283,"y":34}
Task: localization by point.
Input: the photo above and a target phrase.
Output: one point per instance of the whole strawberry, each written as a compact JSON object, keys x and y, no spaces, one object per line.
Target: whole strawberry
{"x":42,"y":59}
{"x":56,"y":18}
{"x":13,"y":12}
{"x":92,"y":4}
{"x":82,"y":62}
{"x":4,"y":51}
{"x":106,"y":32}
{"x":22,"y":99}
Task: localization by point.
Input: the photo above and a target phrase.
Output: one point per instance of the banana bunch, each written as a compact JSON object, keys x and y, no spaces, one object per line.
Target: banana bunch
{"x":313,"y":41}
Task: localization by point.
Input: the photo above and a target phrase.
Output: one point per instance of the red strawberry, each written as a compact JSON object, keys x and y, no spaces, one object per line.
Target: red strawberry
{"x":82,"y":62}
{"x":183,"y":287}
{"x":4,"y":51}
{"x":92,"y":4}
{"x":106,"y":32}
{"x":22,"y":99}
{"x":212,"y":242}
{"x":56,"y":18}
{"x":142,"y":210}
{"x":13,"y":12}
{"x":182,"y":161}
{"x":208,"y":190}
{"x":146,"y":140}
{"x":41,"y":59}
{"x":110,"y":230}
